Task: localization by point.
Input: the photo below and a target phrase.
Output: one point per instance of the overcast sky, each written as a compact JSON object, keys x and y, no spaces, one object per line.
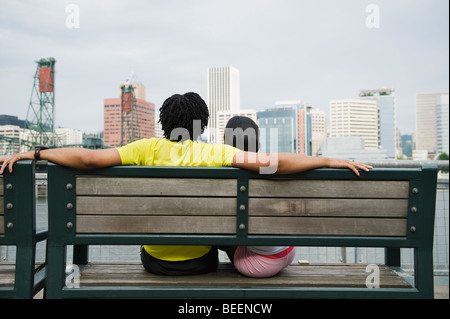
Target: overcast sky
{"x":312,"y":51}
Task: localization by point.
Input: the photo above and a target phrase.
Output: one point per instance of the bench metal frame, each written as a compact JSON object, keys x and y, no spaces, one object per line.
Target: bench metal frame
{"x":62,"y":232}
{"x":19,"y":229}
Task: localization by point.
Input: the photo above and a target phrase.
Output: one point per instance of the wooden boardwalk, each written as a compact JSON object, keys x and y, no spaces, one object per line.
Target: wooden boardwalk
{"x":313,"y":275}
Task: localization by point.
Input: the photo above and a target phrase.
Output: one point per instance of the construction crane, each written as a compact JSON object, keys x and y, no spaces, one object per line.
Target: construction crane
{"x":41,"y":110}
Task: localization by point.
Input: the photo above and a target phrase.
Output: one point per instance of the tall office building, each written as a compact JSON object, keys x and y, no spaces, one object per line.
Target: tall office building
{"x":431,"y":109}
{"x":318,"y":129}
{"x":278,"y":130}
{"x":223,"y":95}
{"x":355,"y":117}
{"x":442,"y":120}
{"x":143,"y":118}
{"x":386,"y":103}
{"x":303,"y":123}
{"x":292,"y":126}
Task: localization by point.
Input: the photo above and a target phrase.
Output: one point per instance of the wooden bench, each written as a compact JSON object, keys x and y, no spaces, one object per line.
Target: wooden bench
{"x":22,"y":278}
{"x":390,"y":208}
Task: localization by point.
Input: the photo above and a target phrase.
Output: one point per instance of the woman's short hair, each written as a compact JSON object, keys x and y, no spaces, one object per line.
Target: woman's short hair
{"x":243,"y":133}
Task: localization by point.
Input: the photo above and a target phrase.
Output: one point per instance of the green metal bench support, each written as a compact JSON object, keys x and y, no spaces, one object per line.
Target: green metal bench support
{"x":20,"y":231}
{"x":419,"y":234}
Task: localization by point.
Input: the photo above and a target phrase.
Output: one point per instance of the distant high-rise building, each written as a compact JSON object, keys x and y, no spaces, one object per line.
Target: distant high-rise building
{"x":158,"y":129}
{"x":224,"y":116}
{"x":11,"y":120}
{"x":292,"y":126}
{"x":303,"y":124}
{"x":318,"y":129}
{"x":431,"y":121}
{"x":69,"y":136}
{"x":278,"y":130}
{"x":10,"y":141}
{"x":143,"y":118}
{"x":442,"y":120}
{"x":223,"y":95}
{"x":386,"y":104}
{"x":355,"y":117}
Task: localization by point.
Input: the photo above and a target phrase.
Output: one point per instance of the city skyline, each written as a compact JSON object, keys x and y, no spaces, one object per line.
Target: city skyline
{"x":285,"y":50}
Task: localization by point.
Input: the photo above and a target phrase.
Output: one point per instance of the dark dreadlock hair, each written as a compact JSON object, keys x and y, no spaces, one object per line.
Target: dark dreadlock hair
{"x":177,"y":116}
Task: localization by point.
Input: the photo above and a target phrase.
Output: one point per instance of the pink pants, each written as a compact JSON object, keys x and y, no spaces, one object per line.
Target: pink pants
{"x":251,"y":264}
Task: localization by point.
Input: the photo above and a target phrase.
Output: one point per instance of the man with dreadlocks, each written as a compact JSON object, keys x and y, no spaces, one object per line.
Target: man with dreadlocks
{"x":183,"y":119}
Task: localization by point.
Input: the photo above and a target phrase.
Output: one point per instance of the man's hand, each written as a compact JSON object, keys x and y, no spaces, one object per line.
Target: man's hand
{"x":11,"y":160}
{"x":354,"y":166}
{"x":78,"y":158}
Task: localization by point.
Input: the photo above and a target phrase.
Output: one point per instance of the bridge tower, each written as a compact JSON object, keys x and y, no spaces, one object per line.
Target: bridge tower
{"x":128,"y":113}
{"x":41,"y":110}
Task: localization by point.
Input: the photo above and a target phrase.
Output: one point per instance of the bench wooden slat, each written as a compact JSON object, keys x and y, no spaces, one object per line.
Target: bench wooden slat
{"x":327,"y":226}
{"x":175,"y":206}
{"x":155,"y":224}
{"x":7,"y":274}
{"x":328,"y":207}
{"x":2,"y":207}
{"x":2,"y":217}
{"x":323,"y":275}
{"x":328,"y":188}
{"x":155,"y":186}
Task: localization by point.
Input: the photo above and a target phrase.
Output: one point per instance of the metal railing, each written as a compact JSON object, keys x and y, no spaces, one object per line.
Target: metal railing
{"x":441,"y":165}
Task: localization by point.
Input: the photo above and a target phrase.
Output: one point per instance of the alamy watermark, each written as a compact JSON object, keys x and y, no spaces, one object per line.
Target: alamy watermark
{"x":245,"y":139}
{"x":73,"y":276}
{"x":373,"y":18}
{"x":373,"y":279}
{"x":73,"y":17}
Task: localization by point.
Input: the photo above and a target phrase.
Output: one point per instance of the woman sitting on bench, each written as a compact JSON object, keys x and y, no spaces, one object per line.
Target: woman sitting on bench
{"x":254,"y":261}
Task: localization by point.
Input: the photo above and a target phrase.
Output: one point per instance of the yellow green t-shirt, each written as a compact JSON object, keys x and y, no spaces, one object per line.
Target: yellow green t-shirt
{"x":163,"y":152}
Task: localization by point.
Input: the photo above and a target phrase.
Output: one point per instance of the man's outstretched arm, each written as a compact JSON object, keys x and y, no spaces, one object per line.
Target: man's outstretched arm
{"x":79,"y":158}
{"x":287,"y":163}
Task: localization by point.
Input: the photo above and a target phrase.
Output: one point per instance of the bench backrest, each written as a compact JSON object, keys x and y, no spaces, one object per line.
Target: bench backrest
{"x":242,"y":207}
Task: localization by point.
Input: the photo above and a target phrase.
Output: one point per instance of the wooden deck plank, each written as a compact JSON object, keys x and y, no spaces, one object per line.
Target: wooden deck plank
{"x":7,"y":273}
{"x":314,"y":275}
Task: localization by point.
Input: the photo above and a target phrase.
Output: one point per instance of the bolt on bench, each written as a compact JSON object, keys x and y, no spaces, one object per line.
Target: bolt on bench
{"x":23,"y":278}
{"x":391,"y":208}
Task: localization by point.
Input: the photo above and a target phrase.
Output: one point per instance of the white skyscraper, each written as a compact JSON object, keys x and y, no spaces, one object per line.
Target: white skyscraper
{"x":386,"y":103}
{"x":353,"y":117}
{"x":431,"y":121}
{"x":223,"y":95}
